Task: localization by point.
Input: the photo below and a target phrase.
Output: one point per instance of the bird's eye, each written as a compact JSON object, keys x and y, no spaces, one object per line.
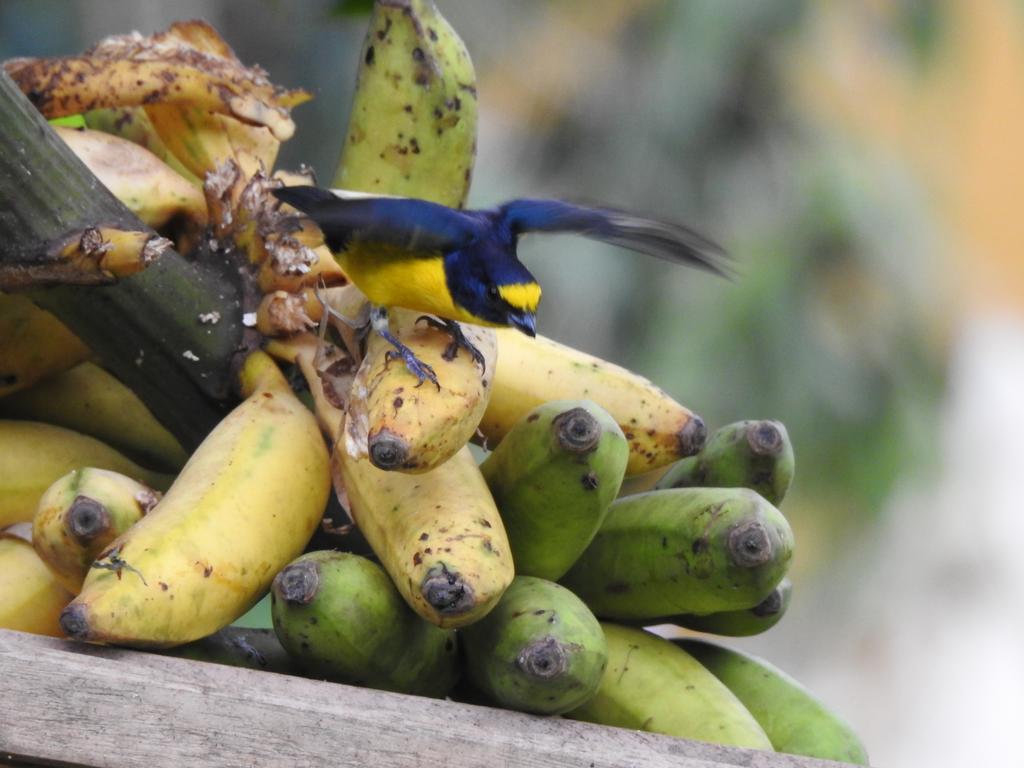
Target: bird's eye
{"x":492,"y":291}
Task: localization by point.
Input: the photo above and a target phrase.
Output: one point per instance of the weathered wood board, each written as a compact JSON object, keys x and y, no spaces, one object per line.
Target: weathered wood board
{"x":71,"y":704}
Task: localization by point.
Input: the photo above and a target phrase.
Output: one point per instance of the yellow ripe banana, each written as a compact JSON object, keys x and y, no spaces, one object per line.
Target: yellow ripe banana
{"x":33,"y":344}
{"x":133,"y":124}
{"x":411,"y":135}
{"x":243,"y":507}
{"x":80,"y":514}
{"x":33,"y":455}
{"x":192,"y":135}
{"x":533,"y":371}
{"x":132,"y":70}
{"x":438,"y":535}
{"x":31,"y":598}
{"x":255,"y":147}
{"x":89,"y":400}
{"x":201,"y":140}
{"x":150,"y":188}
{"x":411,"y":428}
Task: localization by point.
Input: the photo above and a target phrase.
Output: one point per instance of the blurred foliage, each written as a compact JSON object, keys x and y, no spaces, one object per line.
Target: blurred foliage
{"x":352,"y":7}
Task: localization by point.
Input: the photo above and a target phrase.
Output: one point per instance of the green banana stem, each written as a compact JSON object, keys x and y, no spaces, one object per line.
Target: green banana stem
{"x":146,"y":329}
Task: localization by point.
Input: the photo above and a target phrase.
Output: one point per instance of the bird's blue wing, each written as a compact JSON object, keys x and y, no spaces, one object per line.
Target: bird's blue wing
{"x":415,"y":225}
{"x":655,"y":238}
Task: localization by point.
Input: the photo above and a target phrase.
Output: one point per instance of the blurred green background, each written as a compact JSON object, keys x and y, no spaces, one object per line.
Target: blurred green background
{"x":860,"y":160}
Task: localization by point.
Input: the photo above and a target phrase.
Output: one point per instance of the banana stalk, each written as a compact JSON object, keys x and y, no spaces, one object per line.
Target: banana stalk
{"x":99,"y":255}
{"x":147,"y":329}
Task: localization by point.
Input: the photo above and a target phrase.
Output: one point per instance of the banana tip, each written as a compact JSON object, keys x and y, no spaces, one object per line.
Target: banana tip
{"x":74,"y":621}
{"x":544,"y":659}
{"x":765,"y":438}
{"x":749,"y":545}
{"x":577,"y":431}
{"x":87,"y":519}
{"x":446,"y":592}
{"x":692,"y":436}
{"x":298,"y":583}
{"x":387,"y":450}
{"x":770,"y":606}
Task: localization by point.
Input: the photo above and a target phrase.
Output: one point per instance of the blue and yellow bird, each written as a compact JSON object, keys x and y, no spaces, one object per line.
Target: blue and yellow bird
{"x":461,"y":265}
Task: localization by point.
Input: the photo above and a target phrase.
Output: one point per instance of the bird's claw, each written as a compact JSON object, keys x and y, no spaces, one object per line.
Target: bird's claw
{"x":458,"y":340}
{"x":416,"y":367}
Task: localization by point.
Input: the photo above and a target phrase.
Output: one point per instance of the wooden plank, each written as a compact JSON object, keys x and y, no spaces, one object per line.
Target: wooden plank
{"x":64,"y":703}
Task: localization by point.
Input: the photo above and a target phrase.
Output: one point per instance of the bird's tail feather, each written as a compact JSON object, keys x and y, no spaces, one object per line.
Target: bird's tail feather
{"x":304,"y":198}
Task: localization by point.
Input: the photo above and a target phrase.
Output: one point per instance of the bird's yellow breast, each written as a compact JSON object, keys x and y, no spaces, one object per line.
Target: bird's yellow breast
{"x":391,"y":277}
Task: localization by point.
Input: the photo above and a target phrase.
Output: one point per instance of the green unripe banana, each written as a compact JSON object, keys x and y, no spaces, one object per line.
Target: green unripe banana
{"x":683,"y":550}
{"x":409,"y":126}
{"x":741,"y":623}
{"x":553,"y":478}
{"x":339,"y":616}
{"x":652,"y":685}
{"x":238,"y":647}
{"x":795,"y":720}
{"x":746,"y":454}
{"x":540,"y":650}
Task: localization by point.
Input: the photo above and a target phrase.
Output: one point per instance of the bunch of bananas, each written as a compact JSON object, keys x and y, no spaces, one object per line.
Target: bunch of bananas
{"x":521,"y":573}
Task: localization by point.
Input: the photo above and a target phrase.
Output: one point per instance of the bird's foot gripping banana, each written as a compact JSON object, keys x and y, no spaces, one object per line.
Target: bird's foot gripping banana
{"x":80,"y":514}
{"x":796,"y":721}
{"x":553,"y":477}
{"x":540,"y":650}
{"x":438,"y":535}
{"x":533,"y":371}
{"x":245,"y":505}
{"x":411,"y":428}
{"x":340,"y":617}
{"x":652,"y":685}
{"x":683,"y":550}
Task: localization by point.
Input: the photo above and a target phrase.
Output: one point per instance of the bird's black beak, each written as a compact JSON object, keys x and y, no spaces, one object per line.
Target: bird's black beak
{"x":524,"y":321}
